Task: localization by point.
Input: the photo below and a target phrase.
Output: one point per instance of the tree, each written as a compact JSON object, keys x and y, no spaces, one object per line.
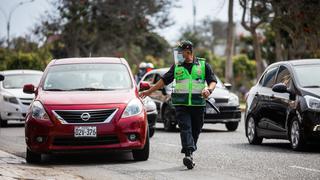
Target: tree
{"x":255,"y":13}
{"x":107,"y":27}
{"x":298,"y":22}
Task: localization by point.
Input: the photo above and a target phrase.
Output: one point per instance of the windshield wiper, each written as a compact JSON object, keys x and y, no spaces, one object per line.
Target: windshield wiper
{"x":90,"y":89}
{"x":54,"y":89}
{"x":312,"y":86}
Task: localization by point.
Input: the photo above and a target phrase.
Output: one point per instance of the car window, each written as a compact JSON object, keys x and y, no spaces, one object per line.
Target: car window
{"x":269,"y":77}
{"x":87,"y":76}
{"x":307,"y":75}
{"x":149,"y":78}
{"x":284,"y":76}
{"x":17,"y":81}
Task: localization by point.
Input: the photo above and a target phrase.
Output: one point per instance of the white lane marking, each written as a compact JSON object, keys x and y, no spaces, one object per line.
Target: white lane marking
{"x":307,"y":169}
{"x":167,"y":144}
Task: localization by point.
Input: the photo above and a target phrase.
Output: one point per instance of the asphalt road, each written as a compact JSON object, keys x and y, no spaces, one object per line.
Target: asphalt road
{"x":220,"y":155}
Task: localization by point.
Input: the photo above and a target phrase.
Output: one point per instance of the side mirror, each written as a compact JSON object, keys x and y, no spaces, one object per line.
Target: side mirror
{"x":1,"y":77}
{"x":280,"y":88}
{"x":228,"y":85}
{"x":144,"y":86}
{"x":29,"y":89}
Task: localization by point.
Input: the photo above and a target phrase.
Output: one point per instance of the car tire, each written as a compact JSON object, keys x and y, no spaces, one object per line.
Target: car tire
{"x":296,"y":138}
{"x":168,"y":118}
{"x":151,"y":131}
{"x":232,"y":126}
{"x":3,"y":123}
{"x":142,"y":154}
{"x":251,"y":132}
{"x":32,"y":157}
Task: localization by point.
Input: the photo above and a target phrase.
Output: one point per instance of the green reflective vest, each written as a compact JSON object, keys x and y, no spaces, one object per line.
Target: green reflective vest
{"x":188,"y":88}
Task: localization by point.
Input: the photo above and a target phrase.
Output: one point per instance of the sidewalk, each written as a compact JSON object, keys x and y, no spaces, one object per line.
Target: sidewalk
{"x":13,"y":167}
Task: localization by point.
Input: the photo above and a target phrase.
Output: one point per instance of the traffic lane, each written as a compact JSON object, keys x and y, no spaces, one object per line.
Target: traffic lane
{"x":221,"y":155}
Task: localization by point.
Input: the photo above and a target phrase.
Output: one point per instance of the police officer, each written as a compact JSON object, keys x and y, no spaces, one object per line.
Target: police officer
{"x":142,"y":71}
{"x":189,"y":94}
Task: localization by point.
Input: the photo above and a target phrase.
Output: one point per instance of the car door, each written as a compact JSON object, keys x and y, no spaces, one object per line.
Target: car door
{"x":280,"y":102}
{"x":263,"y":94}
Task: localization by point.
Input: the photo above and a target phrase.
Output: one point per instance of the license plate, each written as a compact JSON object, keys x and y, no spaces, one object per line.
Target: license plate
{"x":210,"y":111}
{"x":85,"y":131}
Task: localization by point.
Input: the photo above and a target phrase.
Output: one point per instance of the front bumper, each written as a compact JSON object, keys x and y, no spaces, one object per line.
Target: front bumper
{"x":311,"y":124}
{"x":227,"y":114}
{"x":59,"y":137}
{"x":11,"y":111}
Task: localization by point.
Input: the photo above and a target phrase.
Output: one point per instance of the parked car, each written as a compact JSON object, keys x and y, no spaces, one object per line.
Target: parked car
{"x":227,"y":102}
{"x":152,"y":114}
{"x":14,"y":103}
{"x":86,"y":104}
{"x":285,"y":104}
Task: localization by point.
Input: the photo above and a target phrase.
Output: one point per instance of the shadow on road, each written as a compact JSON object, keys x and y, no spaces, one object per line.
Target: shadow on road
{"x":13,"y":125}
{"x":88,"y":158}
{"x":204,"y":130}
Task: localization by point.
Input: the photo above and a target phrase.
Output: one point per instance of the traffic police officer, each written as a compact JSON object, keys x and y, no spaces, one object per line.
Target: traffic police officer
{"x":189,"y":94}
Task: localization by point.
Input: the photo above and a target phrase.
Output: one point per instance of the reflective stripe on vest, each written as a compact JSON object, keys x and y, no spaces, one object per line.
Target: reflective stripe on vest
{"x":188,"y":86}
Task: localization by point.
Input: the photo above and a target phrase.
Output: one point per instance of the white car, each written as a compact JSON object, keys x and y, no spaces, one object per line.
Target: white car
{"x":14,"y":103}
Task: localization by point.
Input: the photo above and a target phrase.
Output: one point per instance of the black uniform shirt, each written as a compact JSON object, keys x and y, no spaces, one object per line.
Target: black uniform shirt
{"x":168,"y":77}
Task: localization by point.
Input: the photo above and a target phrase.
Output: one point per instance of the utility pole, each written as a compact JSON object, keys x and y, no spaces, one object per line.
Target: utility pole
{"x":8,"y":18}
{"x":194,"y":6}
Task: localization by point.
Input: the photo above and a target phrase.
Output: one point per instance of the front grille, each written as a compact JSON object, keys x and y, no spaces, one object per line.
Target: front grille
{"x":221,"y":100}
{"x":102,"y":140}
{"x":74,"y":116}
{"x":26,"y":101}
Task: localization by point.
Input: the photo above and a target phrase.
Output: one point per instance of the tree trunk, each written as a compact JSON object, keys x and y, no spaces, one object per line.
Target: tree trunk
{"x":230,"y":45}
{"x":279,"y":56}
{"x":257,"y":53}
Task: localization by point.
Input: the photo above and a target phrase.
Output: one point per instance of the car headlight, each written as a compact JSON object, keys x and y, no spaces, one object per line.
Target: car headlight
{"x":11,"y":99}
{"x":312,"y":102}
{"x":133,"y":108}
{"x":233,"y":100}
{"x":149,"y":104}
{"x":38,"y":112}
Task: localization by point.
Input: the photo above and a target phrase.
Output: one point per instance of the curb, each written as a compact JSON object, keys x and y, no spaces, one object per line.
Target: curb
{"x":13,"y":167}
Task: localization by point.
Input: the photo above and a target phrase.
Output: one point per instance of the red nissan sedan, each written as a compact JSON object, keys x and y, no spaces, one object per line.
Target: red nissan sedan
{"x":86,"y":104}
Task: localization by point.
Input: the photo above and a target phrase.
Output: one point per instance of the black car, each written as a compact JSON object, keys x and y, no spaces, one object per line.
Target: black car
{"x":227,"y":102}
{"x":285,"y":104}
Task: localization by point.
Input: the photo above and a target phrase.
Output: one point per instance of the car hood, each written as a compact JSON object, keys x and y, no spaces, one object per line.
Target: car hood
{"x":18,"y":93}
{"x":220,"y":93}
{"x":86,"y":97}
{"x":311,"y":91}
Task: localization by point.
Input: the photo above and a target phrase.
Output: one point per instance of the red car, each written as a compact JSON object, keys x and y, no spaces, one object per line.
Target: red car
{"x":86,"y":104}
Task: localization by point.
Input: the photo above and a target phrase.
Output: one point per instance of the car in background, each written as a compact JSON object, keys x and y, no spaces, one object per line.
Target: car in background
{"x":14,"y":103}
{"x":152,"y":114}
{"x":226,"y":101}
{"x":285,"y":104}
{"x":86,"y":104}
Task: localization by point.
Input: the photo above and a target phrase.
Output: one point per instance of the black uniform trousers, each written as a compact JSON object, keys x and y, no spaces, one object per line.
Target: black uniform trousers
{"x":190,"y":121}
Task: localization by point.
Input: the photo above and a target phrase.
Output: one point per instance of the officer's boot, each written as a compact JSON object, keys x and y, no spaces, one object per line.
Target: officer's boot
{"x":188,"y":160}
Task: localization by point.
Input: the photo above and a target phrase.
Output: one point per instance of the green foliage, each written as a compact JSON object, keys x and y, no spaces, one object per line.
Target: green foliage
{"x":24,"y":55}
{"x":244,"y":71}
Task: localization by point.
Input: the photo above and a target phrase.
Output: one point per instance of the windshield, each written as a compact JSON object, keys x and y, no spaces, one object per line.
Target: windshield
{"x":87,"y":77}
{"x":17,"y":81}
{"x":307,"y":75}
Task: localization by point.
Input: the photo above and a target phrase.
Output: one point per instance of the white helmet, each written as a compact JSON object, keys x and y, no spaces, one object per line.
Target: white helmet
{"x":150,"y":65}
{"x":143,"y":65}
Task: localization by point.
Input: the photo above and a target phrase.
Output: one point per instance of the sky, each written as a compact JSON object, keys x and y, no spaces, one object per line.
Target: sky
{"x":25,"y":17}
